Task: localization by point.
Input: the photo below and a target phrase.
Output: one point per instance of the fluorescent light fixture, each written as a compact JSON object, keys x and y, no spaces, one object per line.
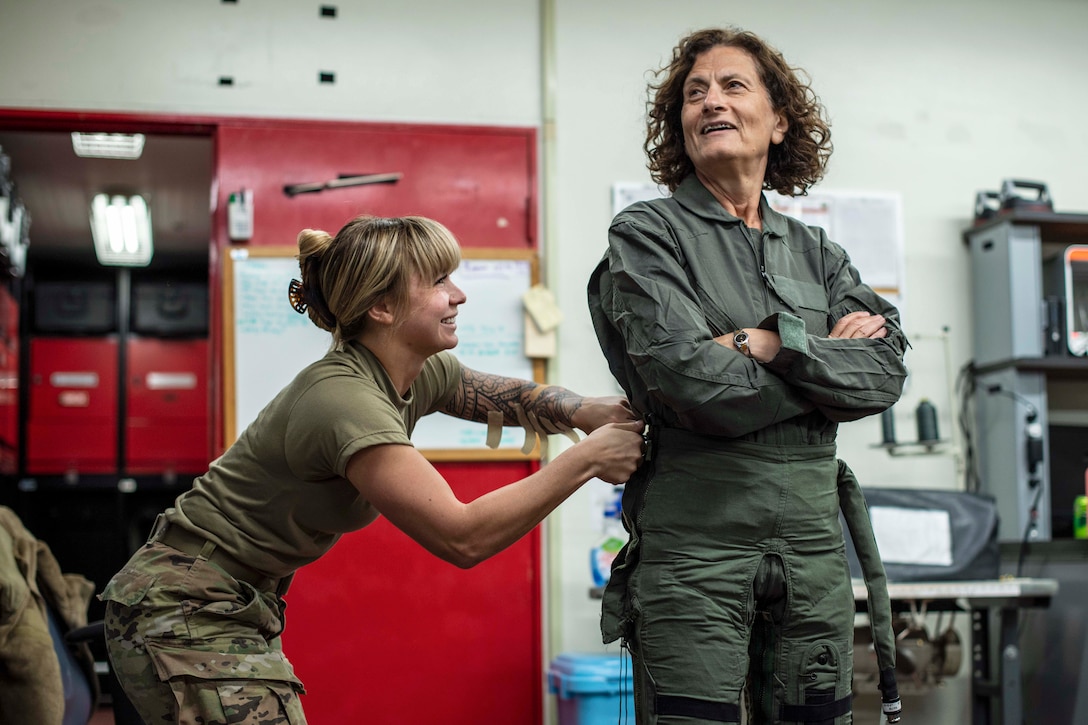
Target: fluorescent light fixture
{"x":108,"y":145}
{"x":121,"y":227}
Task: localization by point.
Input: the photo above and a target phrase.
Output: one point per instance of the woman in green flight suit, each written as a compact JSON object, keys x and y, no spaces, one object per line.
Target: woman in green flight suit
{"x":744,"y":337}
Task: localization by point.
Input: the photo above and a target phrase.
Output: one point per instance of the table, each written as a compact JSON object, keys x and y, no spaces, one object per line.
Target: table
{"x":1005,"y":597}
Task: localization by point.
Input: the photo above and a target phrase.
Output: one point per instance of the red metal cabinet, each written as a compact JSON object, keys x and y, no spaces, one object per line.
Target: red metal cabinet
{"x":479,"y":182}
{"x":72,"y":417}
{"x":166,"y":420}
{"x":9,"y":406}
{"x":9,"y":382}
{"x":9,"y":317}
{"x":382,"y":632}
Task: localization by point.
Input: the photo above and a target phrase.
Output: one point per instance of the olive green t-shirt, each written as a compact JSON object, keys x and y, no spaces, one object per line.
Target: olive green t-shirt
{"x":278,"y":498}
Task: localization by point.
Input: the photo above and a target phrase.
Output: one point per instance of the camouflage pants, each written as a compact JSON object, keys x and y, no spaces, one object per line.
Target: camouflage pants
{"x":190,"y":644}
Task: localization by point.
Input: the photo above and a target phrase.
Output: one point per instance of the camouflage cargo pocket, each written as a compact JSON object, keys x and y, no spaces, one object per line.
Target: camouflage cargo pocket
{"x":268,"y":703}
{"x":128,"y":587}
{"x":239,"y":680}
{"x":220,"y":658}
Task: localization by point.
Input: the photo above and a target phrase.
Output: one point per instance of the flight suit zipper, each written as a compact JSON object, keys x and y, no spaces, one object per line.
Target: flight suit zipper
{"x":759,"y":251}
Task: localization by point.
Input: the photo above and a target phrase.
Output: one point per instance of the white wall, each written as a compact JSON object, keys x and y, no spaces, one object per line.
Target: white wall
{"x":471,"y":62}
{"x":932,"y":99}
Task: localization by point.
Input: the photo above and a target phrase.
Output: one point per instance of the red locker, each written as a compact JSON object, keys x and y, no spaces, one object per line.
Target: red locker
{"x":72,"y":421}
{"x":9,"y":317}
{"x":9,"y":382}
{"x":167,"y":416}
{"x":382,"y":632}
{"x":9,"y":405}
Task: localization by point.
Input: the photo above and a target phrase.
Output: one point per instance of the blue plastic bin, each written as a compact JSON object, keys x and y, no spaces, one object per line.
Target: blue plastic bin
{"x":592,"y":689}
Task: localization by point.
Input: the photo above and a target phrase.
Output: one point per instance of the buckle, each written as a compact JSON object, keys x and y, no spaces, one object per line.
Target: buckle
{"x":649,"y":438}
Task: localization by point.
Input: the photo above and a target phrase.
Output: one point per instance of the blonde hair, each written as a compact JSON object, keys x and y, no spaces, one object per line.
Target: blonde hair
{"x":369,"y":259}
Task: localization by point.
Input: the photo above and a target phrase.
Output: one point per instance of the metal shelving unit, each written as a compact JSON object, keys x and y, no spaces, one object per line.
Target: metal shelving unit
{"x":1018,"y":377}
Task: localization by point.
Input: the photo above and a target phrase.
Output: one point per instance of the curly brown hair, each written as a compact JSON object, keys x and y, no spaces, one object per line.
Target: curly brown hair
{"x":792,"y":166}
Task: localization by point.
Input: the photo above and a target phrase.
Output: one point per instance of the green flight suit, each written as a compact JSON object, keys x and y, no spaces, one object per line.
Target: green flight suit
{"x":735,"y":570}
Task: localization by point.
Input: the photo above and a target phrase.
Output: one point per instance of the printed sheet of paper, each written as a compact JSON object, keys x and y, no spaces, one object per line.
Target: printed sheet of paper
{"x":912,"y":536}
{"x":868,"y":225}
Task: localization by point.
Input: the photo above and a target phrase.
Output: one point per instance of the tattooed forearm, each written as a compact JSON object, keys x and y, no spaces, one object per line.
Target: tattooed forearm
{"x":557,"y":405}
{"x":483,"y":392}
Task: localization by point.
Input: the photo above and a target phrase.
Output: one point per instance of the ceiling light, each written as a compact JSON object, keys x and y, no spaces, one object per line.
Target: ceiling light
{"x":121,"y":227}
{"x":108,"y":145}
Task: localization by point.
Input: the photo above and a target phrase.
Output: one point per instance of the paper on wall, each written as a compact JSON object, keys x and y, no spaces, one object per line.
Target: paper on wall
{"x":912,"y":536}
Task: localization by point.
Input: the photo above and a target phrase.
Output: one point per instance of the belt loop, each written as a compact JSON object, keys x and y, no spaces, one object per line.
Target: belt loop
{"x":207,"y":550}
{"x":283,"y":584}
{"x":157,"y":528}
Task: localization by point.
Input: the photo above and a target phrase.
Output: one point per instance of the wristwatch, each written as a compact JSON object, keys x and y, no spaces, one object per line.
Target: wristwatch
{"x":740,"y":339}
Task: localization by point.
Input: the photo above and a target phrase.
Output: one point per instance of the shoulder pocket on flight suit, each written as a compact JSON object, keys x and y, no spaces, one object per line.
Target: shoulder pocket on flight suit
{"x":808,"y":301}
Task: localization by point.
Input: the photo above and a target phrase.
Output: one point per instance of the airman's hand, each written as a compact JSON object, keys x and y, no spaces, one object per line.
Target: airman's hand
{"x":615,"y":450}
{"x":860,"y":324}
{"x":597,"y":411}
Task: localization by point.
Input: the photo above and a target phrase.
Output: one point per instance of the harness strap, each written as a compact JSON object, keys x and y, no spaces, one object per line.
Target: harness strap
{"x":680,"y":706}
{"x":816,"y":713}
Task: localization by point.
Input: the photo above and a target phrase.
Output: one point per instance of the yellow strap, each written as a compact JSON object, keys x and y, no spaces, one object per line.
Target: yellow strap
{"x":494,"y":428}
{"x":536,"y":429}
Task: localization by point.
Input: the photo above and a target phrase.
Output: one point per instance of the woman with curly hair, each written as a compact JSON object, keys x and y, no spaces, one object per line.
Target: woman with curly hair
{"x":744,"y":337}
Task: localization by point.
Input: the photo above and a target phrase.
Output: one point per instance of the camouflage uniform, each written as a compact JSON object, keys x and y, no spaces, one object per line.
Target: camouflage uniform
{"x":193,"y":620}
{"x":192,"y":644}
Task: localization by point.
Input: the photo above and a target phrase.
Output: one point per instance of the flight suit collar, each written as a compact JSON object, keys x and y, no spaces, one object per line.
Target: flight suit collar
{"x":697,"y":199}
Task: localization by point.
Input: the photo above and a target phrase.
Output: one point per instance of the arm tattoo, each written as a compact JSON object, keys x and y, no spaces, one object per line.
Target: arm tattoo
{"x":483,"y":392}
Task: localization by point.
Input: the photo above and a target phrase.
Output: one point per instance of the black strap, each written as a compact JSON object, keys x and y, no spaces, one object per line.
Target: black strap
{"x":680,"y":706}
{"x":816,"y":713}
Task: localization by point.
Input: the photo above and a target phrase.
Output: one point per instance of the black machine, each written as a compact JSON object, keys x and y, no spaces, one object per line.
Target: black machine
{"x":1032,"y":196}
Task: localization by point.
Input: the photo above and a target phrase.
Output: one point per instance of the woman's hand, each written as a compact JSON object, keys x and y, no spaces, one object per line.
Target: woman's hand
{"x":614,"y":450}
{"x":860,"y":324}
{"x":595,"y":412}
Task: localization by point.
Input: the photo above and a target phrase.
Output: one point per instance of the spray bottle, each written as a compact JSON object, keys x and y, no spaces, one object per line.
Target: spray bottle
{"x":613,"y":537}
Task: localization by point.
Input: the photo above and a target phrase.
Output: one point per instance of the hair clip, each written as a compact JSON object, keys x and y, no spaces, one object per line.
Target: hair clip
{"x":294,"y":295}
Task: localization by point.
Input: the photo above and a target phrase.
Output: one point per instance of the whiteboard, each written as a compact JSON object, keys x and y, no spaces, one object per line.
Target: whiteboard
{"x":267,"y":343}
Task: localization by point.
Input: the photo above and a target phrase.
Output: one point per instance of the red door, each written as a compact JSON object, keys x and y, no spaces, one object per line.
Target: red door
{"x":384,"y":633}
{"x":381,"y":631}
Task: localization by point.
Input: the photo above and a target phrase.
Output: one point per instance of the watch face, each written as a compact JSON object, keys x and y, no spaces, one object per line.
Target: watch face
{"x":741,"y":341}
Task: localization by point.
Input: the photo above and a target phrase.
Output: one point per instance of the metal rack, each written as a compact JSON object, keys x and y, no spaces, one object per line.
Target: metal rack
{"x":1015,"y":371}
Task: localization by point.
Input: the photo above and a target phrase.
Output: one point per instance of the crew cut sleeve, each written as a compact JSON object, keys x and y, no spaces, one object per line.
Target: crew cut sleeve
{"x":649,"y":299}
{"x":334,"y":419}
